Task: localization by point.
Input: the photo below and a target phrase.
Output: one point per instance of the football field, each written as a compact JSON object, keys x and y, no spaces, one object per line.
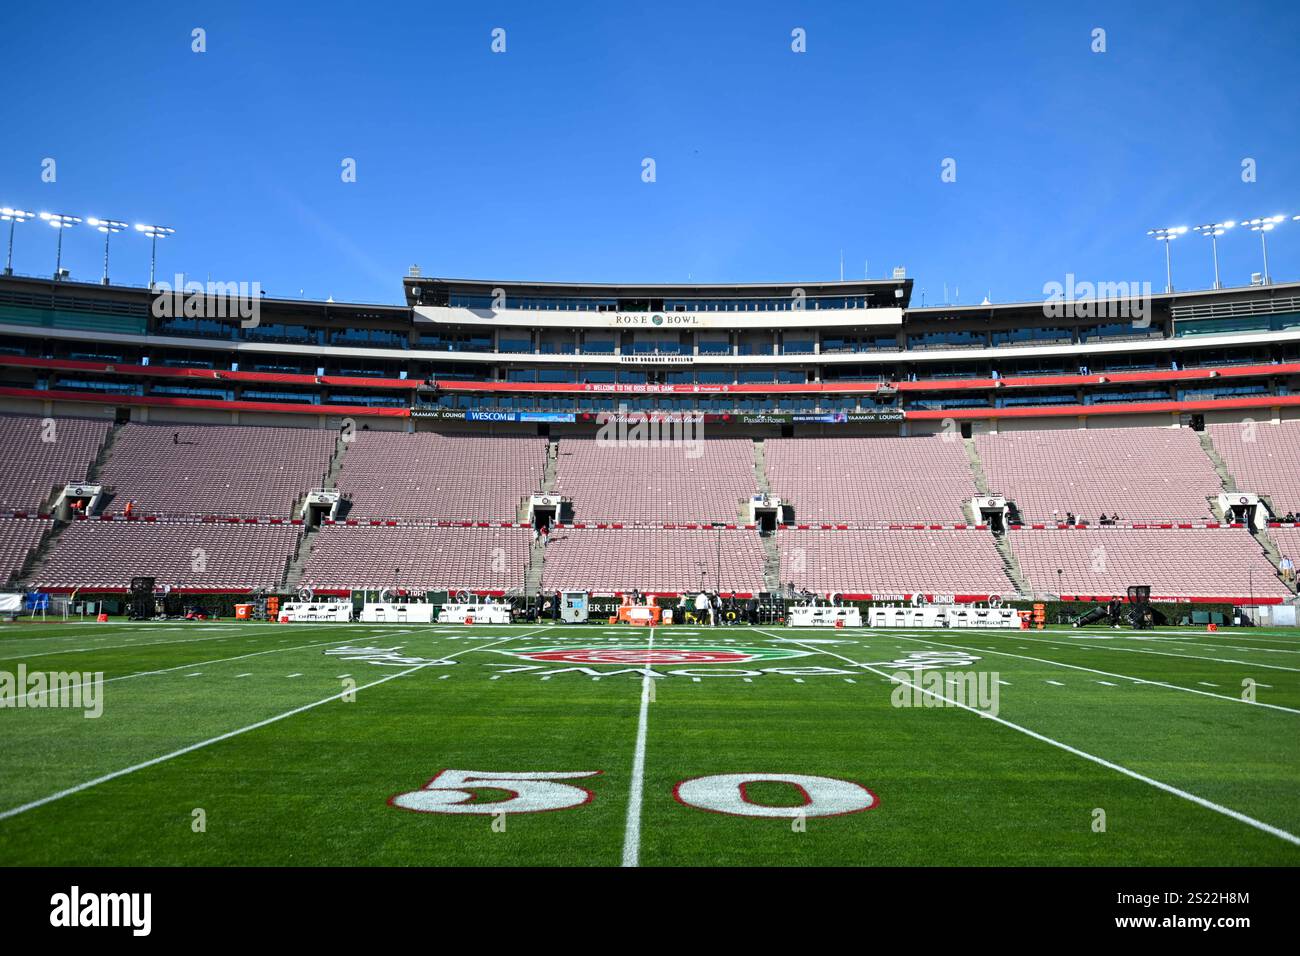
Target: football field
{"x":261,"y":744}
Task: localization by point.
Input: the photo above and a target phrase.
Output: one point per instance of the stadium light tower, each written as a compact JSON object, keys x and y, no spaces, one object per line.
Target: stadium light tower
{"x":154,"y":233}
{"x":108,"y":227}
{"x":1167,"y":235}
{"x":59,"y":222}
{"x":13,"y":217}
{"x":1214,"y":230}
{"x":1264,"y":225}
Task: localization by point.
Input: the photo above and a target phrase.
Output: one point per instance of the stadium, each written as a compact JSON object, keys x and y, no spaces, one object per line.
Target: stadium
{"x":779,"y":501}
{"x":786,"y":454}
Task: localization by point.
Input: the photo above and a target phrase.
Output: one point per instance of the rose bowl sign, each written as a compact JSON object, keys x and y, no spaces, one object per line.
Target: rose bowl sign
{"x":656,"y":656}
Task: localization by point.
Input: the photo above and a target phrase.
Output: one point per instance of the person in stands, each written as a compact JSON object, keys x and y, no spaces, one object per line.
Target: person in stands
{"x":1114,"y":518}
{"x":1288,"y":568}
{"x":1103,"y":519}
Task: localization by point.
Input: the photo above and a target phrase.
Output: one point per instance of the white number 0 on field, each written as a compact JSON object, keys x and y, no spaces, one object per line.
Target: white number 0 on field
{"x":453,"y":791}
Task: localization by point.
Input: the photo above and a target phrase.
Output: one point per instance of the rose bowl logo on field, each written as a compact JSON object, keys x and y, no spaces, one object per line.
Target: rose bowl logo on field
{"x":656,"y":655}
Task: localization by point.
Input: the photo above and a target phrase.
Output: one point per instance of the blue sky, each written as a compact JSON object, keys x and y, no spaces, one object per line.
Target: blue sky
{"x":528,"y":164}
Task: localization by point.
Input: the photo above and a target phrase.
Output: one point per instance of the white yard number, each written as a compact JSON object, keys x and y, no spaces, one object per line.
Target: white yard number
{"x":822,"y":796}
{"x":452,"y":792}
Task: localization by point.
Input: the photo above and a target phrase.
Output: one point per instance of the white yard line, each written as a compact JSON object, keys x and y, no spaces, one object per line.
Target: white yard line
{"x":1100,"y":761}
{"x":5,"y":815}
{"x":118,"y":647}
{"x":196,"y":746}
{"x":1058,"y":642}
{"x":219,"y":660}
{"x":632,"y":833}
{"x":1093,"y":670}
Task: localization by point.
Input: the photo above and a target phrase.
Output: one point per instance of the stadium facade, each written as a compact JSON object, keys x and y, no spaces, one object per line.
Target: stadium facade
{"x":798,"y":358}
{"x":847,"y":441}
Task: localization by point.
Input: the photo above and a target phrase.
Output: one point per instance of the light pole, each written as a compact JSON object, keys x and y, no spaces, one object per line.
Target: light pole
{"x":1167,"y":235}
{"x":107,"y":227}
{"x":59,"y":222}
{"x":1264,"y":225}
{"x":1214,"y":230}
{"x":13,"y":217}
{"x":154,"y":233}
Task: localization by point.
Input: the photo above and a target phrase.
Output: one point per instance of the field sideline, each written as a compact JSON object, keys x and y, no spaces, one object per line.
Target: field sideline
{"x":261,"y":744}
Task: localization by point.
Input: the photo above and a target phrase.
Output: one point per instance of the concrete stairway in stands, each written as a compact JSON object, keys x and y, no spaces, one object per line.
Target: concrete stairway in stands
{"x":976,"y":466}
{"x":330,"y":481}
{"x":771,"y":564}
{"x":548,"y":474}
{"x":536,"y":568}
{"x":1010,"y":564}
{"x":1220,"y":467}
{"x":294,"y":569}
{"x":760,"y":467}
{"x":38,"y":554}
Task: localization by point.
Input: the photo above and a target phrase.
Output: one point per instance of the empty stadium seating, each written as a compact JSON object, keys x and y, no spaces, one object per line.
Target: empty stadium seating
{"x":93,"y":554}
{"x":423,"y":474}
{"x":1264,"y":458}
{"x":365,"y":557}
{"x":41,"y":454}
{"x":1288,"y":542}
{"x":1194,"y":562}
{"x":1142,"y":474}
{"x":875,"y":561}
{"x":865,"y":480}
{"x":215,"y":469}
{"x":18,"y":536}
{"x":702,"y":481}
{"x":612,"y":559}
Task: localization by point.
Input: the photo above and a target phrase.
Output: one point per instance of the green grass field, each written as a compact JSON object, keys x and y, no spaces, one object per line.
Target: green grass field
{"x":266,"y":744}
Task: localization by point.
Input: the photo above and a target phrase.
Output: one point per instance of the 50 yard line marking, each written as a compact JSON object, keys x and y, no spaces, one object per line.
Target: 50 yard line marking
{"x":1101,"y":761}
{"x":632,"y":832}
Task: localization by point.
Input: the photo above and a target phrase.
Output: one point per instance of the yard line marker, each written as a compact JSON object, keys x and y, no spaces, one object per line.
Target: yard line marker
{"x":1101,"y":761}
{"x":114,"y":647}
{"x":5,"y":815}
{"x":13,"y":812}
{"x":847,"y":680}
{"x":632,"y":832}
{"x":243,"y":675}
{"x":195,"y":674}
{"x":1206,"y":683}
{"x":295,"y":675}
{"x":219,"y":660}
{"x":1093,"y":670}
{"x":1054,"y":683}
{"x":1193,"y":657}
{"x":1107,"y":683}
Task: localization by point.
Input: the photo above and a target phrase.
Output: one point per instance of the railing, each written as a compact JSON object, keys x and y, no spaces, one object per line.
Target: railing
{"x":1208,"y":310}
